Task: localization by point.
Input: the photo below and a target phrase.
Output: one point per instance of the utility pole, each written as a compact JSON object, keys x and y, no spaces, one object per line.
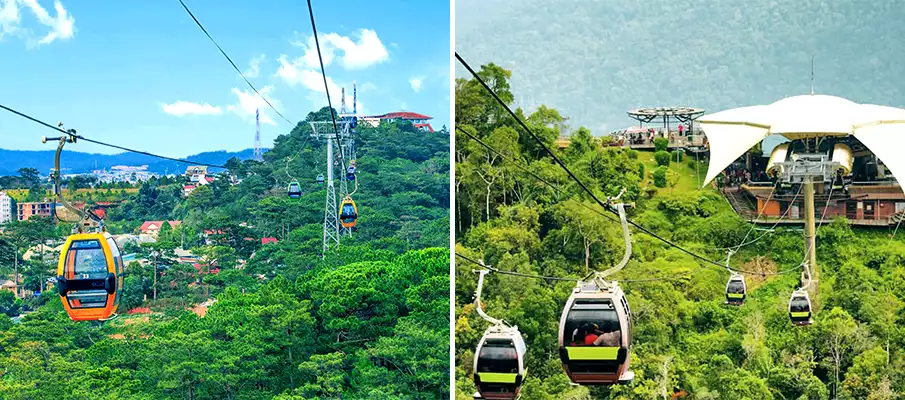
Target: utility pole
{"x":154,"y":285}
{"x":16,"y":267}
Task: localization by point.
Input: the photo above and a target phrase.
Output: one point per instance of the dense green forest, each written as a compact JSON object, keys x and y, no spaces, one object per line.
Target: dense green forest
{"x":686,"y":341}
{"x":611,"y":55}
{"x":370,"y":320}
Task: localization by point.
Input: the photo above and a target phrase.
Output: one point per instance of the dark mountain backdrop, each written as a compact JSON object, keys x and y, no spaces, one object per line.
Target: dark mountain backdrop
{"x":594,"y":60}
{"x":74,"y":162}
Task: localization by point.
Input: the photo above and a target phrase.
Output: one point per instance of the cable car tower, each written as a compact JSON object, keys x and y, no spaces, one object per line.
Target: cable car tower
{"x":343,"y":137}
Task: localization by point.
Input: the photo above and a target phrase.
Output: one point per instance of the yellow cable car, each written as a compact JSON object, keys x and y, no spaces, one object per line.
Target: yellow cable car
{"x":90,"y":271}
{"x":348,"y":213}
{"x":90,"y":276}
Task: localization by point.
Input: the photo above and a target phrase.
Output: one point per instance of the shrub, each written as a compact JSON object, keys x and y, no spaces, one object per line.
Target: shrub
{"x":661,"y":143}
{"x":662,"y":158}
{"x":660,"y":176}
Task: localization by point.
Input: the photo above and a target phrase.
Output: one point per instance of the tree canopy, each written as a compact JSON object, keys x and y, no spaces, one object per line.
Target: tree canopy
{"x":247,"y":320}
{"x":686,"y":341}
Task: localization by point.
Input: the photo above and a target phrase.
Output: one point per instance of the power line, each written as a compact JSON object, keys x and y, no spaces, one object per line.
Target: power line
{"x":575,"y":279}
{"x":520,"y":167}
{"x":317,"y":45}
{"x":770,"y":230}
{"x":504,"y":272}
{"x":231,"y":62}
{"x":598,"y":212}
{"x":530,"y":132}
{"x":71,"y":132}
{"x":289,"y":160}
{"x":583,"y":186}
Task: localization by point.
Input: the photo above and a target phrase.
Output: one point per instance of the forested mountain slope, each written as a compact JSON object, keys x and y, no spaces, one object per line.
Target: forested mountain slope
{"x":253,"y":321}
{"x":594,"y":60}
{"x":686,"y":341}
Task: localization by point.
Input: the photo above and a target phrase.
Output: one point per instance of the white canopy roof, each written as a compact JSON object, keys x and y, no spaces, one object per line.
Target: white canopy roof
{"x":733,"y":132}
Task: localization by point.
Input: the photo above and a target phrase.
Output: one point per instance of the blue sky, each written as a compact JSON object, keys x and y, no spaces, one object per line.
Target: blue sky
{"x":142,"y":74}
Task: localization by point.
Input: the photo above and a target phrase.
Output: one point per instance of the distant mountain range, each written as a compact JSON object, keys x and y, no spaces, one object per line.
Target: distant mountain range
{"x":74,"y":162}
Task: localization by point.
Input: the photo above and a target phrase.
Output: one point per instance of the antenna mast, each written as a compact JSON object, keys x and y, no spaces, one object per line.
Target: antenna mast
{"x":812,"y":75}
{"x":258,"y":155}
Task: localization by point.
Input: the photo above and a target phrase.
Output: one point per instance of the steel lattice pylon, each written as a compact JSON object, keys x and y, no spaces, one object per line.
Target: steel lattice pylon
{"x":331,"y":212}
{"x":323,"y":130}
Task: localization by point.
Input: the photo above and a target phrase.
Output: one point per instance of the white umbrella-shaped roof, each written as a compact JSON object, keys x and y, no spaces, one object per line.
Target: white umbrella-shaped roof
{"x":733,"y":132}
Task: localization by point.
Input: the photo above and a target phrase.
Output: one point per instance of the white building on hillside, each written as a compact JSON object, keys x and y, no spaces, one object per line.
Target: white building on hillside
{"x":7,"y":208}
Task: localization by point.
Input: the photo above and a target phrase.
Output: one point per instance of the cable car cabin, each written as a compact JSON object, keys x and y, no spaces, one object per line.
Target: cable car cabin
{"x":499,"y":365}
{"x":350,"y":173}
{"x":735,"y":290}
{"x":320,"y":179}
{"x":800,"y":308}
{"x":348,"y":213}
{"x":90,"y":276}
{"x":295,"y":191}
{"x":595,"y":336}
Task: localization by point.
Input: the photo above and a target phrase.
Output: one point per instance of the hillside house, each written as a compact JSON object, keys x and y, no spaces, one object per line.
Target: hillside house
{"x":152,"y":228}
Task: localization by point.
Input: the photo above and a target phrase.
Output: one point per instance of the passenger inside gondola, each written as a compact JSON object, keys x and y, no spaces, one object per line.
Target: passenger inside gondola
{"x":594,"y":327}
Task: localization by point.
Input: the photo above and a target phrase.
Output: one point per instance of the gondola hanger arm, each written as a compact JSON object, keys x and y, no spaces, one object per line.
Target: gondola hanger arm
{"x":477,"y":300}
{"x":600,"y":277}
{"x":88,"y":220}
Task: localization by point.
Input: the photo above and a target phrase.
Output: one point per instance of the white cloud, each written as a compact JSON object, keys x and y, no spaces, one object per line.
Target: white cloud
{"x":249,"y":101}
{"x":62,"y":26}
{"x":183,"y":108}
{"x":9,"y":17}
{"x":254,"y":67}
{"x":365,"y":52}
{"x":296,"y":73}
{"x":367,"y":86}
{"x":309,"y":59}
{"x":416,"y":82}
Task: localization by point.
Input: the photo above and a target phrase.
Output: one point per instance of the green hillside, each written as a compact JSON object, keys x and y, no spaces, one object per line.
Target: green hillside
{"x":253,"y":321}
{"x":594,"y":60}
{"x":686,"y":343}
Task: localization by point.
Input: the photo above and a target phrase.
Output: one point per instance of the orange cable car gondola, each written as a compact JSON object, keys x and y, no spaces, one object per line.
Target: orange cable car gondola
{"x":348,"y":213}
{"x":90,"y":271}
{"x":90,"y":276}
